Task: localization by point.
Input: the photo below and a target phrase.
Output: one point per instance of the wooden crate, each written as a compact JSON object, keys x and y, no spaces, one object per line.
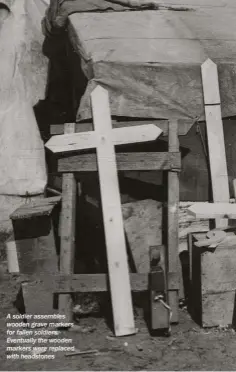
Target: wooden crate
{"x":212,"y":282}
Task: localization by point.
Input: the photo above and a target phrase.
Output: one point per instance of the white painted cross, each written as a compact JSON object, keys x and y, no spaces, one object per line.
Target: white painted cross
{"x":104,"y":138}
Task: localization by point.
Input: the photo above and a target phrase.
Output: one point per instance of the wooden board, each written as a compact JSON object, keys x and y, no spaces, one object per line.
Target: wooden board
{"x":88,"y":140}
{"x":125,"y":161}
{"x":184,"y":127}
{"x":112,"y":216}
{"x":215,"y":135}
{"x":172,"y":218}
{"x":67,"y":233}
{"x":40,"y":207}
{"x":86,"y":283}
{"x":213,"y":210}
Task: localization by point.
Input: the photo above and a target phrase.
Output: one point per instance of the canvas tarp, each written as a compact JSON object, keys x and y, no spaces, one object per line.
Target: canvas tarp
{"x":23,"y":74}
{"x":150,"y":60}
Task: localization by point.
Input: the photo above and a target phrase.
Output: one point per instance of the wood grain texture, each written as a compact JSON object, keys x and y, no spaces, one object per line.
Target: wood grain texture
{"x":86,"y":283}
{"x":37,"y":208}
{"x":67,"y":233}
{"x":112,"y":216}
{"x":125,"y":161}
{"x":89,"y":140}
{"x":172,"y":217}
{"x":162,"y":124}
{"x":215,"y":136}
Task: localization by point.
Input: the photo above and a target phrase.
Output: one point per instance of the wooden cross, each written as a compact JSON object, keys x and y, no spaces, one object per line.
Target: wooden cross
{"x":104,"y":138}
{"x":221,"y":209}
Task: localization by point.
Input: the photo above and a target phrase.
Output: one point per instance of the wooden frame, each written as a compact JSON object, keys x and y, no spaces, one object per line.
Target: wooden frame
{"x":165,"y":161}
{"x":162,"y":280}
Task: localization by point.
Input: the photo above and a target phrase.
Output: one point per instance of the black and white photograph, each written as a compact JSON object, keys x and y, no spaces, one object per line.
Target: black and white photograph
{"x":117,"y":185}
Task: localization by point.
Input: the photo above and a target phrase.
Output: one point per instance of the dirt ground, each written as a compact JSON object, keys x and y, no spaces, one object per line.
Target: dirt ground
{"x":188,"y":348}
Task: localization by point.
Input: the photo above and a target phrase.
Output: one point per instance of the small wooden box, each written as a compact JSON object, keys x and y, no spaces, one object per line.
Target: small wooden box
{"x":212,"y":282}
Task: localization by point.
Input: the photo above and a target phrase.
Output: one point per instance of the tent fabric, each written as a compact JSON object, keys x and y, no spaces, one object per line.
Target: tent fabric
{"x":150,"y":61}
{"x":22,"y":84}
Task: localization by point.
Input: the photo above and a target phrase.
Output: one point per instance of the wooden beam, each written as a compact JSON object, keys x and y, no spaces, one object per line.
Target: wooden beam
{"x":112,"y":216}
{"x":125,"y":161}
{"x":183,"y":128}
{"x":215,"y":135}
{"x":88,"y":140}
{"x":67,"y":233}
{"x":213,"y":210}
{"x":173,"y":222}
{"x":41,"y":207}
{"x":86,"y":283}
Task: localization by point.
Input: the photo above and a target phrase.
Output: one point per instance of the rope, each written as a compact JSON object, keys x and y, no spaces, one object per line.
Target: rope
{"x":160,"y":298}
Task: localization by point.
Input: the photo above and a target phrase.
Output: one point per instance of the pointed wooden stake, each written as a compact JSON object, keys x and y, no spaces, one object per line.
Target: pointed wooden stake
{"x":215,"y":135}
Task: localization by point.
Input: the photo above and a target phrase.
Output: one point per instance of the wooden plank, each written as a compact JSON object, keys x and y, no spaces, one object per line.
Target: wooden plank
{"x":112,"y":216}
{"x":183,"y":128}
{"x":172,"y":215}
{"x":215,"y":135}
{"x":125,"y":161}
{"x":67,"y":233}
{"x":88,"y":140}
{"x":213,"y":210}
{"x":86,"y":283}
{"x":40,"y":207}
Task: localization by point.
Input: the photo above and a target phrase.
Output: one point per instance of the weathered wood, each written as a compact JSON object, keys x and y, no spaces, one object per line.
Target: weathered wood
{"x":87,"y":283}
{"x":215,"y":135}
{"x":162,"y":124}
{"x":40,"y":207}
{"x":172,"y":216}
{"x":213,"y":282}
{"x":112,"y":216}
{"x":67,"y":233}
{"x":90,"y":140}
{"x":33,"y":219}
{"x":213,"y":210}
{"x":125,"y":161}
